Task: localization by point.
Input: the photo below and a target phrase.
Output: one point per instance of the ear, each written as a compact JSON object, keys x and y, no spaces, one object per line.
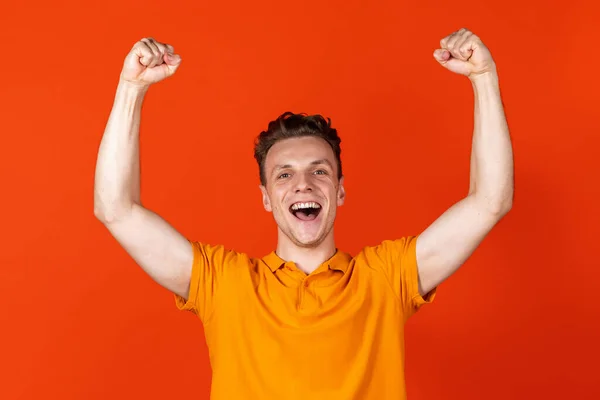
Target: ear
{"x":341,"y":193}
{"x":265,"y":199}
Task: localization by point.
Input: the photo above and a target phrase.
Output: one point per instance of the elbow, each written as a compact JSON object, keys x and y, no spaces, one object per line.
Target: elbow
{"x":501,"y":207}
{"x":501,"y":211}
{"x":497,"y":206}
{"x":110,"y":213}
{"x":103,"y":215}
{"x":101,"y":211}
{"x":108,"y":216}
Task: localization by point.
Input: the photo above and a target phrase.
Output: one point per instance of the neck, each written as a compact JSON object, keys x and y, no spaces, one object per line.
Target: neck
{"x":306,"y":259}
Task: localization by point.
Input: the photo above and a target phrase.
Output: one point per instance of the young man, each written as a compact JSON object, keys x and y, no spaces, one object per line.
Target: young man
{"x":307,"y":321}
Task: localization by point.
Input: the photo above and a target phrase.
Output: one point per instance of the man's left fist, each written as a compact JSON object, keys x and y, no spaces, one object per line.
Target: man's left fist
{"x":464,"y":53}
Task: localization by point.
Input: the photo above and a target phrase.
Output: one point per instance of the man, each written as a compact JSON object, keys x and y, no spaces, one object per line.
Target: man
{"x":307,"y":321}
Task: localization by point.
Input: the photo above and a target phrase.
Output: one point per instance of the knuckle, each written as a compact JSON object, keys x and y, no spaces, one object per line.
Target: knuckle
{"x":145,"y":44}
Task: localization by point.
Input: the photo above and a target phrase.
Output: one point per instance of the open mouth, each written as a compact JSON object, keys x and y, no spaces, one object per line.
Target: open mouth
{"x":306,"y":211}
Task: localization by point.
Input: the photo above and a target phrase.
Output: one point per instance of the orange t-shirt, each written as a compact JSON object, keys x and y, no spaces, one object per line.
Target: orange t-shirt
{"x":274,"y":332}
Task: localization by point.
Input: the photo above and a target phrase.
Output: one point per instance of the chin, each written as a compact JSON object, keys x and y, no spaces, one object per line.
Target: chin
{"x":309,"y":237}
{"x":307,"y":241}
{"x":306,"y":234}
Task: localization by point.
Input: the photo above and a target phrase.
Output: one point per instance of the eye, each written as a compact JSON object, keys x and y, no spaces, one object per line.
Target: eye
{"x":284,"y":175}
{"x":320,"y":172}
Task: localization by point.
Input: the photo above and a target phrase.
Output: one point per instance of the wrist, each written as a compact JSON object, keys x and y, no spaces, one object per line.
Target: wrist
{"x":132,"y":88}
{"x":484,"y":78}
{"x":129,"y":95}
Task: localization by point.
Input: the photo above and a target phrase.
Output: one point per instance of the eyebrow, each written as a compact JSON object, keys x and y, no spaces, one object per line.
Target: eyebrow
{"x":316,"y":162}
{"x":321,"y":161}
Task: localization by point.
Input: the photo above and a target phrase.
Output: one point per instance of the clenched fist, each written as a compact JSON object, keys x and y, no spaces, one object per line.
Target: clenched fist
{"x":464,"y":53}
{"x":149,"y":62}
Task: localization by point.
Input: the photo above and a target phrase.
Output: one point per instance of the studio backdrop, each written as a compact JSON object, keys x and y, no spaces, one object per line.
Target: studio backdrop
{"x":80,"y":320}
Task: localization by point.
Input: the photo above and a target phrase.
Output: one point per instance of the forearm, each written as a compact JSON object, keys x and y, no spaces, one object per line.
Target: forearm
{"x":492,"y":157}
{"x":117,"y":178}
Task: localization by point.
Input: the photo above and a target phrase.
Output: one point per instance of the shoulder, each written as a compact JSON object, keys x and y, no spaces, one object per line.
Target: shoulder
{"x":389,"y":251}
{"x":220,"y":256}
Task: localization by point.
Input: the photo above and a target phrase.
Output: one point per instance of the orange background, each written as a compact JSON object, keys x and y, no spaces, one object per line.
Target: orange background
{"x":81,"y":321}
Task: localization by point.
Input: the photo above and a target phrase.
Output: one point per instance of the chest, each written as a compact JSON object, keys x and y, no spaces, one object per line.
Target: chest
{"x":306,"y":330}
{"x":330,"y":300}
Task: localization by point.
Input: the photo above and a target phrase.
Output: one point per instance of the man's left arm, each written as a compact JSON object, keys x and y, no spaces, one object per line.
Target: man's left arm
{"x":450,"y":240}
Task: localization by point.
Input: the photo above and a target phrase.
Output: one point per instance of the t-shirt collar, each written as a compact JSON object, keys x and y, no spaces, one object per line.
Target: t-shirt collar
{"x":339,"y":261}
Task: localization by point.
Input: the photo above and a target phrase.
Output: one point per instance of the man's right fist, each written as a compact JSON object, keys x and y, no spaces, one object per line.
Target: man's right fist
{"x":149,"y":62}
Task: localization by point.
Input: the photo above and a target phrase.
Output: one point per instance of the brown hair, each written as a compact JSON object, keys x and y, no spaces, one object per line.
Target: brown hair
{"x":290,"y":125}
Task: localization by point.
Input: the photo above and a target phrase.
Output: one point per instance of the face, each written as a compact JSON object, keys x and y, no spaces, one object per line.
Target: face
{"x":302,"y":189}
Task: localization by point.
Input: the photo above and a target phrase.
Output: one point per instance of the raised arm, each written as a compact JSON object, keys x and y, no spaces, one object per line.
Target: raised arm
{"x":447,"y":243}
{"x":155,"y":245}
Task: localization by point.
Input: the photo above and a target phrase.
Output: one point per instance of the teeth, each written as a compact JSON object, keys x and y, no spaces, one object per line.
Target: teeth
{"x":310,"y":204}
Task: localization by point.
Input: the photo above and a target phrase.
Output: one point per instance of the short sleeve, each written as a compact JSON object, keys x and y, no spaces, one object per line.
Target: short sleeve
{"x":208,"y":270}
{"x":399,"y":262}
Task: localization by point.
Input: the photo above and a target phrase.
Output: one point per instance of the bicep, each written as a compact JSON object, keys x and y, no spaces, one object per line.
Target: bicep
{"x":450,"y":240}
{"x":160,"y":250}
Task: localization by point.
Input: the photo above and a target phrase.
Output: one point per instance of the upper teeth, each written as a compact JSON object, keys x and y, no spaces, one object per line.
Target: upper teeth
{"x":310,"y":204}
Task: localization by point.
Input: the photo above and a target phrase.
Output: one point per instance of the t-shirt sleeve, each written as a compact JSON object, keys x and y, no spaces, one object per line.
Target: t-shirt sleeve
{"x":208,"y":271}
{"x":399,"y":262}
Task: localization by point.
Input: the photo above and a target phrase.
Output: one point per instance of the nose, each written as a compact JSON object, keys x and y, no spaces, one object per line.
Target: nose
{"x":302,"y":184}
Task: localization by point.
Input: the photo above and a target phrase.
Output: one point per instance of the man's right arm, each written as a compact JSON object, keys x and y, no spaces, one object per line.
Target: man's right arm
{"x":162,"y":252}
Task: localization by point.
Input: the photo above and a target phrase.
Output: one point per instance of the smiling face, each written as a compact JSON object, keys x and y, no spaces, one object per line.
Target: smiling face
{"x":302,"y":189}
